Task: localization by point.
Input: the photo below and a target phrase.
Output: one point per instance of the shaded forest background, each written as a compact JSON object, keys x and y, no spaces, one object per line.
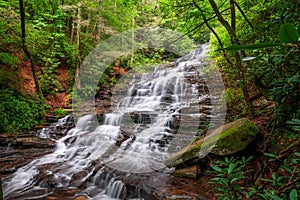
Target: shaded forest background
{"x":255,"y":44}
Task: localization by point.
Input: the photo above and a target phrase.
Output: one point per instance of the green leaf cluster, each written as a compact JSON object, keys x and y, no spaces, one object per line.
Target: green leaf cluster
{"x":19,"y":113}
{"x":229,"y":172}
{"x":232,"y":181}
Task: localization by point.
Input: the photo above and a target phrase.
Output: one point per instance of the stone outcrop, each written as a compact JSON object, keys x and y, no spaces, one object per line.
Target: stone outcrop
{"x":225,"y":140}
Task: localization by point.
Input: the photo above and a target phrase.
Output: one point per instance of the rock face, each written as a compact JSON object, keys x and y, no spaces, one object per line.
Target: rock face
{"x":228,"y":139}
{"x":35,"y":142}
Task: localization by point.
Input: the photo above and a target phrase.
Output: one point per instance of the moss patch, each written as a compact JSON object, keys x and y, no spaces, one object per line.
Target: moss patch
{"x":227,"y":139}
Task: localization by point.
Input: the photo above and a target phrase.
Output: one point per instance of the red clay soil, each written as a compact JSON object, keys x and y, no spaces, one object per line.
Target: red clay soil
{"x":27,"y":81}
{"x":61,"y":99}
{"x":28,"y":86}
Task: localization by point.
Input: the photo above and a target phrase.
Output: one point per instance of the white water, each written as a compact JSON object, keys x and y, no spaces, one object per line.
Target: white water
{"x":160,"y":95}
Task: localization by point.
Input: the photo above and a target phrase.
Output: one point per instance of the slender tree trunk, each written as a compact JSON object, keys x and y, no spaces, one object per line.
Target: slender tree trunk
{"x":73,"y":28}
{"x":89,"y":20}
{"x":24,"y":47}
{"x":78,"y":58}
{"x":132,"y":35}
{"x":68,"y":25}
{"x":99,"y":29}
{"x":99,"y":21}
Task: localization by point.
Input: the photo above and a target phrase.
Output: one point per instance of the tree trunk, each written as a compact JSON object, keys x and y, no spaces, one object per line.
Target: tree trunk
{"x":78,"y":58}
{"x":132,"y":37}
{"x":73,"y":28}
{"x":24,"y":47}
{"x":98,"y":27}
{"x":89,"y":20}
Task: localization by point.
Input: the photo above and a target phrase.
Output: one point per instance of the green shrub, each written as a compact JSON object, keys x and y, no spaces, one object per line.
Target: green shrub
{"x":7,"y":58}
{"x":59,"y":112}
{"x":19,"y":113}
{"x":233,"y":182}
{"x":8,"y":79}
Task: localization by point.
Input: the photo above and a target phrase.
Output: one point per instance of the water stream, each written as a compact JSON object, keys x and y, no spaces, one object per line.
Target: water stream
{"x":123,"y":157}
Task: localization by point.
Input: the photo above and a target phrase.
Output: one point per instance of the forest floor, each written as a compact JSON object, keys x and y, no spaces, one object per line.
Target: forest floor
{"x":58,"y":100}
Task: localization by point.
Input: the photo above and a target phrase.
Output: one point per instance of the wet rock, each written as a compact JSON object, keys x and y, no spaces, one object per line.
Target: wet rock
{"x":80,"y":198}
{"x":180,"y":197}
{"x":228,"y":139}
{"x":37,"y":142}
{"x":184,"y":188}
{"x":5,"y":138}
{"x":58,"y":129}
{"x":140,"y":118}
{"x":189,"y":172}
{"x":11,"y":158}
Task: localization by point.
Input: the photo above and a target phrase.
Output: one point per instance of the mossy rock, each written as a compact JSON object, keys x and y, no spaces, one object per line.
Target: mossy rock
{"x":225,"y":140}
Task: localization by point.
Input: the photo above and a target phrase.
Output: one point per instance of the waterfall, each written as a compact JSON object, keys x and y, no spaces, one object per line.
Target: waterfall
{"x":156,"y":115}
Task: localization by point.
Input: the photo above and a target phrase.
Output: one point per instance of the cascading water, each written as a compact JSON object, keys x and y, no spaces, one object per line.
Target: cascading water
{"x":134,"y":140}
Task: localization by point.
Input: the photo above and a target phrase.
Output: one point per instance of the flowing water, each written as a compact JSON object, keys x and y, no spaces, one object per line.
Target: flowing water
{"x":123,"y":157}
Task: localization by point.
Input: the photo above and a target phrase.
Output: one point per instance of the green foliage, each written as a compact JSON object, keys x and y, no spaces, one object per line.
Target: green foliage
{"x":19,"y":113}
{"x":183,"y":17}
{"x":235,"y":48}
{"x":288,"y":33}
{"x":232,"y":180}
{"x":48,"y":80}
{"x":274,"y":186}
{"x":295,"y":123}
{"x":235,"y":102}
{"x":59,"y":112}
{"x":143,"y":60}
{"x":9,"y":31}
{"x":7,"y":58}
{"x":8,"y":79}
{"x":229,"y":172}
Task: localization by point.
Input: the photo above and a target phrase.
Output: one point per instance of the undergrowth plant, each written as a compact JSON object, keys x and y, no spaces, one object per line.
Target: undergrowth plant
{"x":232,"y":181}
{"x":19,"y":113}
{"x":229,"y":173}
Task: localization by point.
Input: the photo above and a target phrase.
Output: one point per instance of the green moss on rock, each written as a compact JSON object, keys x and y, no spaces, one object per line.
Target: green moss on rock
{"x":225,"y":140}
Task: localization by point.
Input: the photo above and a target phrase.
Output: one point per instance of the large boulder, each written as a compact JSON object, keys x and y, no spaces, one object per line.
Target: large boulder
{"x":225,"y":140}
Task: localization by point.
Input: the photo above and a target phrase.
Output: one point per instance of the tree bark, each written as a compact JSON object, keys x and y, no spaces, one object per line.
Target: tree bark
{"x":132,"y":35}
{"x":78,"y":58}
{"x":73,"y":28}
{"x":27,"y":53}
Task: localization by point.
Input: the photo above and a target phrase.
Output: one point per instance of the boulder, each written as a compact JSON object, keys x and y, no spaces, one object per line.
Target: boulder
{"x":225,"y":140}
